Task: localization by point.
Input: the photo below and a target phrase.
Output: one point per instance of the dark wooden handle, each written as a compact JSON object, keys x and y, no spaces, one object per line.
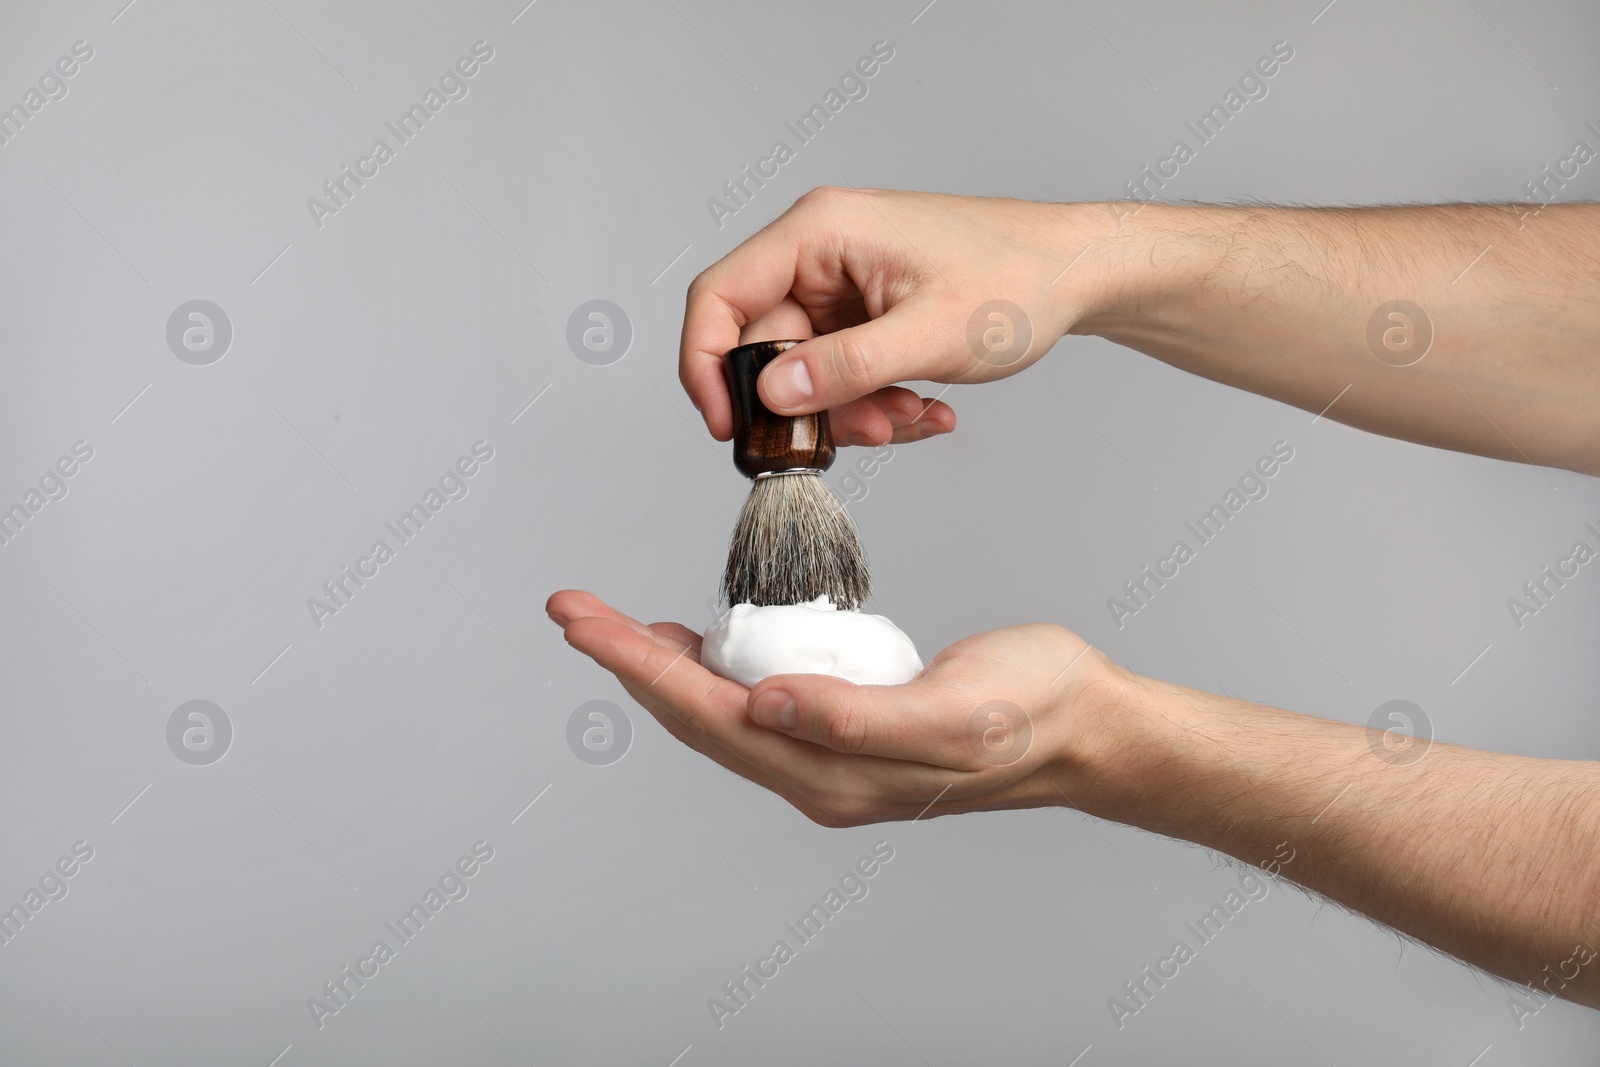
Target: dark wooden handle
{"x":763,"y":441}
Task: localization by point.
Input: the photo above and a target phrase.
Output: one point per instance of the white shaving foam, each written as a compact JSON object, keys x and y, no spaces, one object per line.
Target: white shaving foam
{"x":749,"y":643}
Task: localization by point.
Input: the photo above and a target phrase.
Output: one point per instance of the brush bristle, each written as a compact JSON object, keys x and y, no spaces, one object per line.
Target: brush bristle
{"x":793,"y":543}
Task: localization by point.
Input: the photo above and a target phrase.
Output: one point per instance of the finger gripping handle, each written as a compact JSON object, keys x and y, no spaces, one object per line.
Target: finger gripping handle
{"x":762,"y":441}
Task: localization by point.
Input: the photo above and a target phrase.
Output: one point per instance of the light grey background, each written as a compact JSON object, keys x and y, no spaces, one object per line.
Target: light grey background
{"x":370,"y":353}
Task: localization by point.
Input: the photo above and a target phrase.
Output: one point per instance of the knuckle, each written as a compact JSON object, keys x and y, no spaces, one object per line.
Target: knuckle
{"x":845,"y":728}
{"x":689,"y":382}
{"x":852,"y":361}
{"x":821,"y":196}
{"x":696,"y":732}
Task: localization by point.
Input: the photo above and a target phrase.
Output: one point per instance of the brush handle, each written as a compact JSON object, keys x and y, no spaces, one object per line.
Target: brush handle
{"x":764,"y":442}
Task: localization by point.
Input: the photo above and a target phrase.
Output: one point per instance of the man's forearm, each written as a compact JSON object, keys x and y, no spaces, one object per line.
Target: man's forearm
{"x":1494,"y":859}
{"x":1291,"y":303}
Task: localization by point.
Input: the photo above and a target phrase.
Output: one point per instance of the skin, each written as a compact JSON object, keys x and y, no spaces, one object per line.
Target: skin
{"x":1494,"y":859}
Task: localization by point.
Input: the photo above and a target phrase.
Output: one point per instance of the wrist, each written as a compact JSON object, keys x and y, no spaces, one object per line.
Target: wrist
{"x":1147,"y":263}
{"x":1164,"y":758}
{"x":1116,"y":741}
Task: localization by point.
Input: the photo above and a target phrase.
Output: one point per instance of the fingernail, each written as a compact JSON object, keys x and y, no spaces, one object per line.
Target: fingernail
{"x":776,"y":709}
{"x":789,"y":384}
{"x":559,"y":619}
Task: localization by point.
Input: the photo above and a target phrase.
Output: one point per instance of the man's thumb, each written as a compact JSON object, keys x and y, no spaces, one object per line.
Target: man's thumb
{"x":837,"y":368}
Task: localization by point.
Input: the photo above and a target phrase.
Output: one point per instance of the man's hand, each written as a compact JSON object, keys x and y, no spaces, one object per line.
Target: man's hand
{"x":1006,"y":719}
{"x":892,"y":280}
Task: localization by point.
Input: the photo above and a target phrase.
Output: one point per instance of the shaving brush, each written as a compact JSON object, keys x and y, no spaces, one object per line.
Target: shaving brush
{"x":793,"y":542}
